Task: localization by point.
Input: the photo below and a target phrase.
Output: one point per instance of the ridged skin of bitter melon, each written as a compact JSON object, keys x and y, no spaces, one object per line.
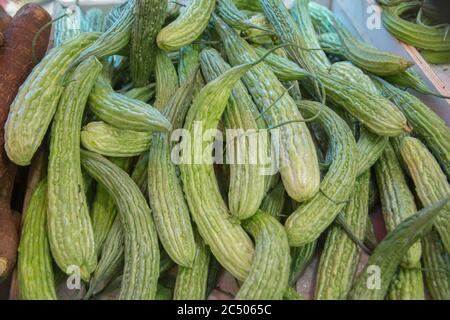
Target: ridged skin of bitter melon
{"x":369,"y":58}
{"x":407,"y":284}
{"x":107,"y":140}
{"x":262,"y":33}
{"x":69,"y":225}
{"x":375,"y":112}
{"x":247,"y":179}
{"x":149,"y":16}
{"x":312,"y":217}
{"x":141,"y":269}
{"x":187,"y":27}
{"x":111,"y":258}
{"x":169,"y":207}
{"x":166,"y":80}
{"x":123,"y":112}
{"x":426,"y":123}
{"x":227,"y":240}
{"x":420,"y":36}
{"x":227,"y":10}
{"x":340,"y":256}
{"x":35,"y":271}
{"x":114,"y":39}
{"x":140,"y":172}
{"x":268,"y":277}
{"x":273,"y":202}
{"x":430,"y":182}
{"x":143,"y":93}
{"x":436,"y":261}
{"x":67,"y":27}
{"x":104,"y":210}
{"x":189,"y":62}
{"x":370,"y":148}
{"x":412,"y":79}
{"x":388,"y":254}
{"x":301,"y":257}
{"x":252,"y":5}
{"x":34,"y":106}
{"x":283,"y":68}
{"x":370,"y":145}
{"x":330,"y":43}
{"x":191,"y":282}
{"x":349,"y":72}
{"x":93,"y":21}
{"x":361,"y":54}
{"x":321,"y":17}
{"x":299,"y":166}
{"x":397,"y":199}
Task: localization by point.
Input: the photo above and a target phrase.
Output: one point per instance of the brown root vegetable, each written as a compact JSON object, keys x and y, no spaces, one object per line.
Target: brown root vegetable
{"x":8,"y":223}
{"x":5,"y":19}
{"x":16,"y":54}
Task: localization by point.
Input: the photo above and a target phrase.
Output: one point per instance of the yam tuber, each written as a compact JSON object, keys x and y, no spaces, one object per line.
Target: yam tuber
{"x":16,"y":54}
{"x":8,"y":223}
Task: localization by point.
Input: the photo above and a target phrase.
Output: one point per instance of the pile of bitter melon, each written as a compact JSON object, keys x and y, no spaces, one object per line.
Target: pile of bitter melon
{"x":134,"y":188}
{"x":420,"y":24}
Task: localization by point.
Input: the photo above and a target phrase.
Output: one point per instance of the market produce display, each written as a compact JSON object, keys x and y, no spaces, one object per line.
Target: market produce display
{"x":167,"y":144}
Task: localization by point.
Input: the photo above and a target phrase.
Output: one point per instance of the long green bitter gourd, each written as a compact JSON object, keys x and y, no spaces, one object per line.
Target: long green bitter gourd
{"x":247,"y":175}
{"x":273,"y":202}
{"x":104,"y":210}
{"x":114,"y":39}
{"x":370,"y":145}
{"x":191,"y":282}
{"x":141,"y":269}
{"x":312,"y":217}
{"x":268,"y":278}
{"x":340,"y":256}
{"x":107,"y":140}
{"x":143,"y":93}
{"x":149,"y":15}
{"x":35,"y":271}
{"x":169,"y":207}
{"x":140,"y":172}
{"x":397,"y":200}
{"x":412,"y":79}
{"x":188,"y":26}
{"x":433,"y":38}
{"x":374,"y":280}
{"x":227,"y":240}
{"x":123,"y":112}
{"x":166,"y":80}
{"x":430,"y":182}
{"x":321,"y":17}
{"x":69,"y":225}
{"x":374,"y":111}
{"x":301,"y":257}
{"x":359,"y":53}
{"x":426,"y":123}
{"x":111,"y":258}
{"x":69,"y":26}
{"x":35,"y":104}
{"x":436,"y":262}
{"x":283,"y":68}
{"x":299,"y":166}
{"x":407,"y":284}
